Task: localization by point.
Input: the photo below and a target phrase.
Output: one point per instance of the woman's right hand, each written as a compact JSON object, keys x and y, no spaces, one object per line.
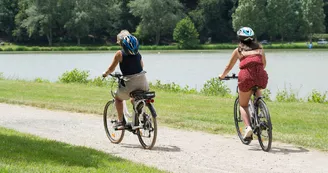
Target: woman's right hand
{"x":221,"y":77}
{"x":104,"y":74}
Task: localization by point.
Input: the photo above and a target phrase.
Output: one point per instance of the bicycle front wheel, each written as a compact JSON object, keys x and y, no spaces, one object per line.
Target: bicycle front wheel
{"x":265,"y":127}
{"x":110,"y":119}
{"x":147,"y":134}
{"x":239,"y":123}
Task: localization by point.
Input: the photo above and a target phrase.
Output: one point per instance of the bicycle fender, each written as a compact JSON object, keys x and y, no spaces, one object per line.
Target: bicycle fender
{"x":258,"y":98}
{"x":152,"y":109}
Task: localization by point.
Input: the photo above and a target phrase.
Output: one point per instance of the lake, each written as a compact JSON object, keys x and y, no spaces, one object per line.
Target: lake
{"x":299,"y":70}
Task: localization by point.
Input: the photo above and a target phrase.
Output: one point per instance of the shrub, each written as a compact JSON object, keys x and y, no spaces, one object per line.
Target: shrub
{"x":20,"y":48}
{"x":35,"y":49}
{"x":285,"y":96}
{"x":74,"y":76}
{"x":317,"y":97}
{"x":215,"y":87}
{"x":40,"y":80}
{"x":172,"y":87}
{"x":8,"y":49}
{"x":101,"y":82}
{"x":266,"y":94}
{"x":186,"y":34}
{"x":2,"y":77}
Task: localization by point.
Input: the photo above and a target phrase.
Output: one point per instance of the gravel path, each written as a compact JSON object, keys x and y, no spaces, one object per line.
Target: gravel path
{"x":174,"y":151}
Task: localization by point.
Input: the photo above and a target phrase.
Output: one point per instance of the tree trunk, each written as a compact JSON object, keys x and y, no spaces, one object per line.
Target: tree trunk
{"x":78,"y":40}
{"x":158,"y":36}
{"x":49,"y":37}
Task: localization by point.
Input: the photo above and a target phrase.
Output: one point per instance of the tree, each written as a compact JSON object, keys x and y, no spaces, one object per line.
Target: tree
{"x":79,"y":20}
{"x":313,"y":17}
{"x":105,"y":17}
{"x":41,"y":18}
{"x":186,"y":34}
{"x":213,"y":20}
{"x":326,"y":14}
{"x":8,"y":11}
{"x":250,"y":13}
{"x":127,"y":20}
{"x":157,"y":16}
{"x":284,"y":17}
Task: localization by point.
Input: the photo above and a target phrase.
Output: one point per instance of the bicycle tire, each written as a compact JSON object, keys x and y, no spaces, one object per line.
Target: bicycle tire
{"x":264,"y":125}
{"x":238,"y":119}
{"x":152,"y":122}
{"x":110,"y":113}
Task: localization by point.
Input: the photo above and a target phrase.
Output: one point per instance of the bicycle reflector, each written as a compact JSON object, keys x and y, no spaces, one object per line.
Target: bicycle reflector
{"x":150,"y":101}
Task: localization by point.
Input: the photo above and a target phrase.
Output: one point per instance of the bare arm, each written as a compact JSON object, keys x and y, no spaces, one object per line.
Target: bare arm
{"x":142,"y":64}
{"x":263,"y":59}
{"x":232,"y":62}
{"x":117,"y":58}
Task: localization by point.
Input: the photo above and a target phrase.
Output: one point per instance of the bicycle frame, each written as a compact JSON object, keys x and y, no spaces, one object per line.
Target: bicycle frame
{"x":135,"y":104}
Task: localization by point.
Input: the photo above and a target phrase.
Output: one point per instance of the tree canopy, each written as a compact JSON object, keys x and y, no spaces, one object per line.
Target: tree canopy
{"x":154,"y":21}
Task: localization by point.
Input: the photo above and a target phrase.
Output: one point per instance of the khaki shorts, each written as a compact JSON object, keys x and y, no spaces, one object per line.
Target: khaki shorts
{"x":132,"y":83}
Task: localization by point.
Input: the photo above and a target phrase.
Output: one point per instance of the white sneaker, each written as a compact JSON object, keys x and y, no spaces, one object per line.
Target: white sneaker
{"x":248,"y":132}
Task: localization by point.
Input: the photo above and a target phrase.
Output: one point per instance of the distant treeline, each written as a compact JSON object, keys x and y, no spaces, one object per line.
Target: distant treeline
{"x":63,"y":22}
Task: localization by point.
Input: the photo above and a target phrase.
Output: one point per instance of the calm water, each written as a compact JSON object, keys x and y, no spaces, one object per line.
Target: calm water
{"x":300,"y":70}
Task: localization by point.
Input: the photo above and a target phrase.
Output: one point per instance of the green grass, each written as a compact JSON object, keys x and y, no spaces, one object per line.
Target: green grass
{"x":301,"y":123}
{"x":26,"y":153}
{"x":13,"y":47}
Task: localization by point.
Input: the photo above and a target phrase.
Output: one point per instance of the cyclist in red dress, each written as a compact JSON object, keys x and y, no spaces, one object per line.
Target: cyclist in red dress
{"x":252,"y":63}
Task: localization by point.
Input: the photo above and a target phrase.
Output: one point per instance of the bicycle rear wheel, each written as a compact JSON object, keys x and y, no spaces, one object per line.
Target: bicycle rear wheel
{"x":110,"y":119}
{"x":265,"y":129}
{"x":147,"y":134}
{"x":240,"y":126}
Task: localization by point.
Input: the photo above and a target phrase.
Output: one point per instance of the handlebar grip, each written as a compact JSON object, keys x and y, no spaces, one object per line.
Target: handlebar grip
{"x":233,"y":76}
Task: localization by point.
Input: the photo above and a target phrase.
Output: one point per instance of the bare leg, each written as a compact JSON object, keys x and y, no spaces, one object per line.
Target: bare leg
{"x":258,"y":92}
{"x":243,"y":102}
{"x":119,"y":108}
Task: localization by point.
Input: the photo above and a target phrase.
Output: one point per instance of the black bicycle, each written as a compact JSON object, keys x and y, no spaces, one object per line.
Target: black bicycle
{"x":259,"y":116}
{"x":143,"y":119}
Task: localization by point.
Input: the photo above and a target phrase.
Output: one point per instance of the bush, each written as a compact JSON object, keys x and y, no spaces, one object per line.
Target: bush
{"x":186,"y":34}
{"x":8,"y":49}
{"x":40,"y":80}
{"x":99,"y":81}
{"x":285,"y":96}
{"x":20,"y":48}
{"x":2,"y":77}
{"x":317,"y":97}
{"x":172,"y":87}
{"x":74,"y":76}
{"x":215,"y":87}
{"x":35,"y":49}
{"x":266,"y":94}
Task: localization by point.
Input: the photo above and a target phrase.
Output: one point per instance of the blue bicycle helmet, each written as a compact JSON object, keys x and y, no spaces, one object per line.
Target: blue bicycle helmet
{"x":130,"y":45}
{"x":245,"y":34}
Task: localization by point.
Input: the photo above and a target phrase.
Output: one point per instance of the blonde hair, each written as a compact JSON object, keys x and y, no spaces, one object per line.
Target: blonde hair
{"x":121,"y":35}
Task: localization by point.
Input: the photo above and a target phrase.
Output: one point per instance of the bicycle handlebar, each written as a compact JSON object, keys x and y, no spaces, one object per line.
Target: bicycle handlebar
{"x":116,"y":74}
{"x":233,"y":76}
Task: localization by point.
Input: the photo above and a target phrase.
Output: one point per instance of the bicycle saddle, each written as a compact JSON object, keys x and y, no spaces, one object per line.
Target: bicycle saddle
{"x":139,"y":94}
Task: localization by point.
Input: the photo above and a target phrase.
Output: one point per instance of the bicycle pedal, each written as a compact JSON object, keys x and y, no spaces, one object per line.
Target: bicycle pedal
{"x":249,"y":138}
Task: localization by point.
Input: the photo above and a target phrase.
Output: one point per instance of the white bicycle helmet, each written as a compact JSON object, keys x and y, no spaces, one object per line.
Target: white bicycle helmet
{"x":245,"y":34}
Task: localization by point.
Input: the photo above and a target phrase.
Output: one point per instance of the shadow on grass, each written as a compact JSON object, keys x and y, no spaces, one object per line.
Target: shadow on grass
{"x":29,"y":149}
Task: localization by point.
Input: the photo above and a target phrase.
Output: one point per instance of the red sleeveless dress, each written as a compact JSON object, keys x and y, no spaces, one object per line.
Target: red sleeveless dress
{"x":252,"y":73}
